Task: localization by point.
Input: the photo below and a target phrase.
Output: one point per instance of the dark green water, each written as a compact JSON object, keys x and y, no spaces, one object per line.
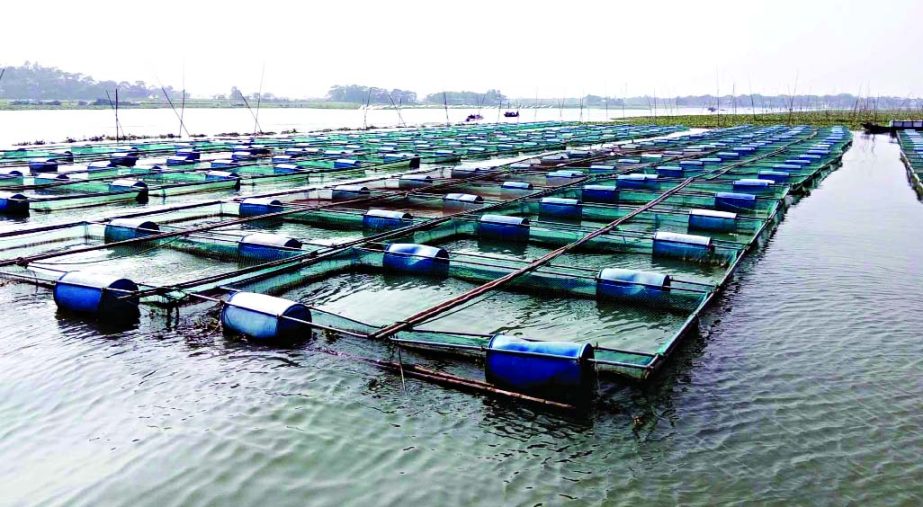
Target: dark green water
{"x":804,"y":388}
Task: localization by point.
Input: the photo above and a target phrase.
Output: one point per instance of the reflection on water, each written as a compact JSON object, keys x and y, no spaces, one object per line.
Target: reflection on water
{"x":804,"y":386}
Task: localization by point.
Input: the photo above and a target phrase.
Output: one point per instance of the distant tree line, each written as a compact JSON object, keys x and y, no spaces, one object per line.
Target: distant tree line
{"x":34,"y":82}
{"x":361,"y":94}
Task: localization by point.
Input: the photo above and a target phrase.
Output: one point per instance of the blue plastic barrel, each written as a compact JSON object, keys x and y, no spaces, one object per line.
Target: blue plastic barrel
{"x":776,"y":176}
{"x":557,"y":370}
{"x":629,"y":284}
{"x":348,"y":192}
{"x":515,"y":186}
{"x":43,"y":165}
{"x":558,"y":207}
{"x":504,"y":227}
{"x":752,"y":185}
{"x":416,"y":258}
{"x":683,"y":246}
{"x":121,"y":229}
{"x":733,"y":201}
{"x":241,"y":156}
{"x":127,"y":159}
{"x":265,"y":317}
{"x":607,"y":194}
{"x":189,"y":154}
{"x":468,"y":172}
{"x":265,"y":246}
{"x":461,"y":201}
{"x":177,"y":160}
{"x":346,"y":163}
{"x":127,"y":185}
{"x":601,"y":168}
{"x":255,"y":206}
{"x":106,"y":296}
{"x":381,"y":219}
{"x":223,"y":163}
{"x":281,"y":159}
{"x":563,"y":176}
{"x":636,"y":181}
{"x":411,"y":181}
{"x":712,"y":220}
{"x":12,"y":203}
{"x":670,"y":171}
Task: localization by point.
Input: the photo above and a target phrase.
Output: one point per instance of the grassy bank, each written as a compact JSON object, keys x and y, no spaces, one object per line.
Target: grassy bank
{"x":852,"y":119}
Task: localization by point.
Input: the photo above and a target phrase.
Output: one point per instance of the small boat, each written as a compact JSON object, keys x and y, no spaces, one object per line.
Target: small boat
{"x":511,"y":114}
{"x":871,"y":128}
{"x":474,"y":117}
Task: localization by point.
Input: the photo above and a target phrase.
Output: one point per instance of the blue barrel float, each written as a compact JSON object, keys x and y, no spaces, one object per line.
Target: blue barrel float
{"x":223,"y":163}
{"x":127,"y":185}
{"x":637,"y":181}
{"x":241,"y":156}
{"x":712,"y":220}
{"x":223,"y":176}
{"x":468,"y":172}
{"x":11,"y":175}
{"x":285,"y":168}
{"x":105,"y":296}
{"x":776,"y":176}
{"x":265,"y":246}
{"x":43,"y":165}
{"x":411,"y":181}
{"x":515,"y":187}
{"x":670,"y":171}
{"x":683,"y":246}
{"x":121,"y":229}
{"x":632,"y":285}
{"x":265,"y":317}
{"x":733,"y":201}
{"x":559,"y":207}
{"x":752,"y":185}
{"x":346,"y":163}
{"x":563,"y":176}
{"x":556,"y":370}
{"x":124,"y":159}
{"x":504,"y":227}
{"x":349,"y":192}
{"x":606,"y":194}
{"x":383,"y":219}
{"x":417,"y":259}
{"x":178,"y":160}
{"x":255,"y":206}
{"x":13,"y":203}
{"x":461,"y":201}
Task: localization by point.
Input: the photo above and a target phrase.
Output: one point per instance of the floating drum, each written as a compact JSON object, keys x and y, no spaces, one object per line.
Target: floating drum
{"x":120,"y":229}
{"x":515,"y":186}
{"x":177,"y":160}
{"x":241,"y":156}
{"x":13,"y":204}
{"x":348,"y":192}
{"x":222,"y":176}
{"x":222,"y":163}
{"x":129,"y":185}
{"x":712,"y":220}
{"x":558,"y":370}
{"x":414,"y":181}
{"x":617,"y":283}
{"x":381,"y":219}
{"x":637,"y":181}
{"x":752,"y":185}
{"x":670,"y":171}
{"x":458,"y":200}
{"x":264,"y":246}
{"x":417,"y":259}
{"x":601,"y":168}
{"x":43,"y":165}
{"x":600,"y":193}
{"x":503,"y":227}
{"x":468,"y":172}
{"x":266,"y":317}
{"x":105,"y":296}
{"x":346,"y":163}
{"x":671,"y":244}
{"x":776,"y":176}
{"x":733,"y":201}
{"x":255,"y":206}
{"x":557,"y":207}
{"x":124,"y":159}
{"x":189,"y":154}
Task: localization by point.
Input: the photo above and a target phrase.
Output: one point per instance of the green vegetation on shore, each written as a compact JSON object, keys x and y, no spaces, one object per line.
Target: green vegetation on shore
{"x":851,"y":118}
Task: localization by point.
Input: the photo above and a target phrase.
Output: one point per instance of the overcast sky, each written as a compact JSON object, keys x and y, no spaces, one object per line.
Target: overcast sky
{"x":552,"y":48}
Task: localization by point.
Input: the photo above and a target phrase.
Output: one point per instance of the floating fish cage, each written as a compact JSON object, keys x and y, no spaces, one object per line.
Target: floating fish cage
{"x":214,"y":168}
{"x":553,"y":275}
{"x":911,"y":142}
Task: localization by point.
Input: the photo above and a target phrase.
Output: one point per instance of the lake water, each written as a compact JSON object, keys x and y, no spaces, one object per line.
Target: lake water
{"x":21,"y":126}
{"x":804,"y":388}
